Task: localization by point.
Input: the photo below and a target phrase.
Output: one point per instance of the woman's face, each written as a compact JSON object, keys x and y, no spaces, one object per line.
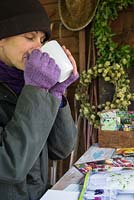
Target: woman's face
{"x":14,"y":50}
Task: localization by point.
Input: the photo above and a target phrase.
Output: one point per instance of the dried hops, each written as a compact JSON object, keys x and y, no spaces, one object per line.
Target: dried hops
{"x":113,"y":73}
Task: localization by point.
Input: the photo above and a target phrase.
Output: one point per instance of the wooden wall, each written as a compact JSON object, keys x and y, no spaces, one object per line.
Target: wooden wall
{"x":68,"y":38}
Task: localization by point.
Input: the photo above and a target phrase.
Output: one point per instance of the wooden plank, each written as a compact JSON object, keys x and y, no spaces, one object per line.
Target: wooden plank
{"x":52,"y":11}
{"x":59,"y":27}
{"x":70,"y":43}
{"x":82,"y":60}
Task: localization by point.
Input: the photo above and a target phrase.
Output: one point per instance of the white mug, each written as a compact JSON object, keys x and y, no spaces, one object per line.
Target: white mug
{"x":56,"y":52}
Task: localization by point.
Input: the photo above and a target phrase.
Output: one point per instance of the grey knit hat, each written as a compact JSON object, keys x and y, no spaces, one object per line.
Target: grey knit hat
{"x":21,"y":16}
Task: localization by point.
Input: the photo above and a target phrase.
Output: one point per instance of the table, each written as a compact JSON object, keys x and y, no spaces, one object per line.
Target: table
{"x":73,"y":175}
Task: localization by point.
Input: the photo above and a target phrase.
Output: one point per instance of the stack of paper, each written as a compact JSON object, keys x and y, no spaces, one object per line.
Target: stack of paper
{"x":60,"y":195}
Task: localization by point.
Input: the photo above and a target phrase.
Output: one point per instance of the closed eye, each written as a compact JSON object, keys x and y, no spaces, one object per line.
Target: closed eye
{"x":29,"y":38}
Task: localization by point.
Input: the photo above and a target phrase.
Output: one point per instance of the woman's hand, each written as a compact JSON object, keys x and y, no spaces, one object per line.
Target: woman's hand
{"x":72,"y":60}
{"x":59,"y":89}
{"x":41,"y":70}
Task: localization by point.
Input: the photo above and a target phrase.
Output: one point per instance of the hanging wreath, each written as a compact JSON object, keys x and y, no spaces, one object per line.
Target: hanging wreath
{"x":114,"y":74}
{"x":111,"y":60}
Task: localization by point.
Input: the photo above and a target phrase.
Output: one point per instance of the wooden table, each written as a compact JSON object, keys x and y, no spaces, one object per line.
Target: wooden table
{"x":73,"y":175}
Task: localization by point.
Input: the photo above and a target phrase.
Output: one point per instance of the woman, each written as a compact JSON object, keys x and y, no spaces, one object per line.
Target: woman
{"x":35,"y":119}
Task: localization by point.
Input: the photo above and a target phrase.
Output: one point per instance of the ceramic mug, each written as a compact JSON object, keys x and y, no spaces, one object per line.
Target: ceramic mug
{"x":55,"y":51}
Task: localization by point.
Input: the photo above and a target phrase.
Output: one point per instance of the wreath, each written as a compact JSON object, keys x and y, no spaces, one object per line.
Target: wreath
{"x":114,"y":74}
{"x":111,"y":60}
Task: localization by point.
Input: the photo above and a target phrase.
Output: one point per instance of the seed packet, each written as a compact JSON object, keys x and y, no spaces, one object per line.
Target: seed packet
{"x":112,"y":164}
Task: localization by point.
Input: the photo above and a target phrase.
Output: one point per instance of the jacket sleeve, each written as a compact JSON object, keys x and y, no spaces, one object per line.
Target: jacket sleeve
{"x":62,"y":138}
{"x":26,"y":133}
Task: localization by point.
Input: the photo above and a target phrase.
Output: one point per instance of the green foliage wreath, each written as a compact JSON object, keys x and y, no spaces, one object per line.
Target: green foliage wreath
{"x":111,"y":60}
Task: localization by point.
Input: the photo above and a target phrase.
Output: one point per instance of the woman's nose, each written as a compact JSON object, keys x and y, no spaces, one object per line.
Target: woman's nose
{"x":37,"y":45}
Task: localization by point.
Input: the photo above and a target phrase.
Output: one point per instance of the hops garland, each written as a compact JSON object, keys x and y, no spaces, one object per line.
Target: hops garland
{"x":111,"y":60}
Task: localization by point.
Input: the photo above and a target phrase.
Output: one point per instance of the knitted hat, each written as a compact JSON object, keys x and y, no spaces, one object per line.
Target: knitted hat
{"x":77,"y":14}
{"x":22,"y":16}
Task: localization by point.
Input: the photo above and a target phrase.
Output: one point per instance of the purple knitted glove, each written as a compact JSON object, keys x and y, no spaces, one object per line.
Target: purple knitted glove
{"x":41,"y":70}
{"x":59,"y":89}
